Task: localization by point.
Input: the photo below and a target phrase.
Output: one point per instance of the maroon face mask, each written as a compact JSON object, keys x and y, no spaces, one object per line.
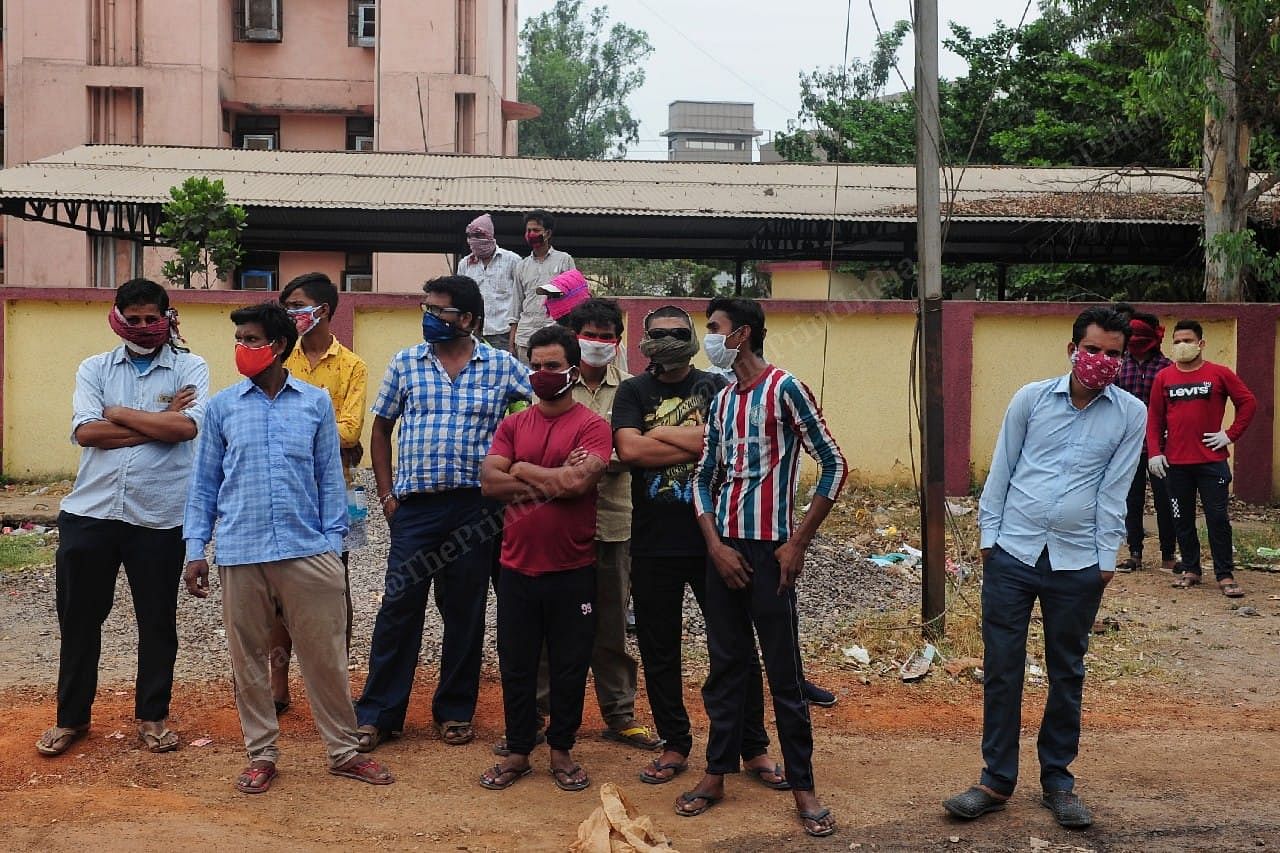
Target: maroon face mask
{"x":148,"y":336}
{"x":535,"y":238}
{"x":551,"y":384}
{"x":1094,"y":370}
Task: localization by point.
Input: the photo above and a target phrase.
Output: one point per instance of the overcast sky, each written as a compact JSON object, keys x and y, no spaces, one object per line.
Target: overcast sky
{"x":750,"y":50}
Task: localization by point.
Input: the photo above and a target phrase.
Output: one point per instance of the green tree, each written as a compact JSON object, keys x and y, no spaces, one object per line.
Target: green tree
{"x":203,"y":229}
{"x":580,"y":76}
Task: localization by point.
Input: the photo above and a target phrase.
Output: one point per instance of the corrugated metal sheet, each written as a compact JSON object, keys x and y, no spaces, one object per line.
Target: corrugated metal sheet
{"x":411,"y":181}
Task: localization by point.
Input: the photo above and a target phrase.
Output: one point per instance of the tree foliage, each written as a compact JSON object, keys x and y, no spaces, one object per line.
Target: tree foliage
{"x":676,"y":278}
{"x":203,"y":229}
{"x":580,"y":76}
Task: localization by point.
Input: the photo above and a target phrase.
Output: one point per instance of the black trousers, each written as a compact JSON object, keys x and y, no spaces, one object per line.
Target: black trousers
{"x":90,"y":553}
{"x":1212,"y":481}
{"x":657,"y":592}
{"x":730,"y":615}
{"x":558,"y":609}
{"x":1136,"y":508}
{"x":1068,"y":604}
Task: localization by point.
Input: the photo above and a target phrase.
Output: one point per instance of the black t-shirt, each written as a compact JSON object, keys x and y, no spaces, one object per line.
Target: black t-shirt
{"x":663,"y":523}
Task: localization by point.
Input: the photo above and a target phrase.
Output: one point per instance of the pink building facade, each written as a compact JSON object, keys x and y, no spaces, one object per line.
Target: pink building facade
{"x":392,"y":75}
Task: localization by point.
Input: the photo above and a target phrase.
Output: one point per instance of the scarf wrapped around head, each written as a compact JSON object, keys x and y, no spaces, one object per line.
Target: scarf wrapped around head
{"x":151,"y":335}
{"x":1144,"y":338}
{"x":480,"y":238}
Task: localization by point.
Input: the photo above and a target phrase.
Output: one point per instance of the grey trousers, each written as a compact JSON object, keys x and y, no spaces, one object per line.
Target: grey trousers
{"x":310,"y":594}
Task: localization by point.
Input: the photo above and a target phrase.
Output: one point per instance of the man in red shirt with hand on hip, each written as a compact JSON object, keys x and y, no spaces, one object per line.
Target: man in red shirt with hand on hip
{"x":1187,"y":444}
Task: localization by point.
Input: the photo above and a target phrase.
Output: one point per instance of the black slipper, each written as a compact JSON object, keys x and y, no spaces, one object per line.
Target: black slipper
{"x":973,"y":803}
{"x":676,"y":767}
{"x":758,"y":772}
{"x":817,"y":817}
{"x":690,"y":797}
{"x":564,"y":778}
{"x":498,"y":773}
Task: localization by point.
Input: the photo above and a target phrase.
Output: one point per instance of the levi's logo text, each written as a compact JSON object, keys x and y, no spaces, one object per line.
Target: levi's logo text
{"x":1191,"y":391}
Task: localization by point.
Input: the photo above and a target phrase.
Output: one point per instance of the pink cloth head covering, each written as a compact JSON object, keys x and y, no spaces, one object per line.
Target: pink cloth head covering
{"x":565,"y":292}
{"x":483,"y":222}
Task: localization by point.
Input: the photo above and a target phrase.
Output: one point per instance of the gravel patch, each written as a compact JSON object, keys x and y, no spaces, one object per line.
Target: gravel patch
{"x":837,"y":587}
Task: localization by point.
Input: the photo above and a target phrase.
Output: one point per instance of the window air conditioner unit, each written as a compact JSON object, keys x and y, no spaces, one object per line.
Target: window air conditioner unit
{"x":364,"y":143}
{"x":262,"y":20}
{"x":358,"y":282}
{"x":366,"y":24}
{"x":259,"y":141}
{"x":257,"y":280}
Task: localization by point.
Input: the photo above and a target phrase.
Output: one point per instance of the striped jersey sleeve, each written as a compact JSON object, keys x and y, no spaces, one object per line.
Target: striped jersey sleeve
{"x":811,"y":426}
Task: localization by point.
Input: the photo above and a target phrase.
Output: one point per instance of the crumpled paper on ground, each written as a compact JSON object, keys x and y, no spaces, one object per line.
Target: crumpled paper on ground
{"x":615,"y":827}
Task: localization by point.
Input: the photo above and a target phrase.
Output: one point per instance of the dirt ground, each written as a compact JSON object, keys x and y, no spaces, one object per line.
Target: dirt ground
{"x":1178,"y":754}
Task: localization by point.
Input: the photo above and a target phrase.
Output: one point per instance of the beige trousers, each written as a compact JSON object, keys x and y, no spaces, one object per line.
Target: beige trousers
{"x":310,"y":593}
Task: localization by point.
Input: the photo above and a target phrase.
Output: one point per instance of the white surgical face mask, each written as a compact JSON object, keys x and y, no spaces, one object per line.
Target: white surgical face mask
{"x":718,"y":354}
{"x":597,"y":353}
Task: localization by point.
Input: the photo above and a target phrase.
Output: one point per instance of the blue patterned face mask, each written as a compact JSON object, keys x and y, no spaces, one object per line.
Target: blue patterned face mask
{"x":437,"y":331}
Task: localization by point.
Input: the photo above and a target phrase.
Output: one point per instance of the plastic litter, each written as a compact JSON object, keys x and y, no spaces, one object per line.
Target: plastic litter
{"x":958,"y":510}
{"x":886,"y":560}
{"x":204,"y":741}
{"x":1269,"y":553}
{"x":858,"y":653}
{"x":918,"y":665}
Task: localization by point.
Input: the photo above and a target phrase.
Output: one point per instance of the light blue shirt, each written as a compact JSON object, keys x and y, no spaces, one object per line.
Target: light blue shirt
{"x":269,"y":472}
{"x":144,"y":485}
{"x":1060,"y":476}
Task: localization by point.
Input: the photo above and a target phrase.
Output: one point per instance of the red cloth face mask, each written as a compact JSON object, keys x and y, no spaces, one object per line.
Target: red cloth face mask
{"x":251,"y":361}
{"x":1094,"y":370}
{"x":1143,"y":338}
{"x":551,"y":384}
{"x":149,"y":336}
{"x":535,"y":238}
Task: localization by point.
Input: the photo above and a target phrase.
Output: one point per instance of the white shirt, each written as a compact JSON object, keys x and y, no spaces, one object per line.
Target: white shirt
{"x":528,"y":306}
{"x":497,"y":278}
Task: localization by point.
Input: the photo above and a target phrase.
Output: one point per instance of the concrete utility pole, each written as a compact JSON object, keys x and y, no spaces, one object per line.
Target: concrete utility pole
{"x":1227,"y":139}
{"x":929,"y":284}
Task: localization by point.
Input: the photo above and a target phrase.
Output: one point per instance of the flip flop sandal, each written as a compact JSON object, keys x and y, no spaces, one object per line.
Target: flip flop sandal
{"x":455,"y":733}
{"x":368,"y":738}
{"x":496,"y":784}
{"x":637,"y":736}
{"x":1231,"y":589}
{"x":367,"y":770}
{"x":502,"y":750}
{"x":817,"y":817}
{"x":256,"y":780}
{"x":689,"y":797}
{"x":164,"y":741}
{"x":47,"y":745}
{"x":563,"y":782}
{"x":780,"y":785}
{"x":1186,"y":580}
{"x":676,"y":767}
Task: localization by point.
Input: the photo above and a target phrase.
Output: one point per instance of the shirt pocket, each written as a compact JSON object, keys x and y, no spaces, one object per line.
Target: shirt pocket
{"x":297,"y":444}
{"x":1093,"y":454}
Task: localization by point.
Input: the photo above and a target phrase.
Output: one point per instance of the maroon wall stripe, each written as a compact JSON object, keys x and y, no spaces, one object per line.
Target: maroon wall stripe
{"x":957,"y":393}
{"x":1255,"y":363}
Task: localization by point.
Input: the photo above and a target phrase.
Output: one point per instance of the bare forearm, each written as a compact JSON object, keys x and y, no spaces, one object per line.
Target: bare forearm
{"x":106,"y":435}
{"x":169,"y":427}
{"x":501,"y":486}
{"x":646,"y":452}
{"x":380,"y":458}
{"x":819,"y":509}
{"x":687,"y":438}
{"x":707,"y":524}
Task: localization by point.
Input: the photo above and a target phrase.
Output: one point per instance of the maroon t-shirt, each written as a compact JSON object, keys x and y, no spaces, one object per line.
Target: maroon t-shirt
{"x":557,"y":535}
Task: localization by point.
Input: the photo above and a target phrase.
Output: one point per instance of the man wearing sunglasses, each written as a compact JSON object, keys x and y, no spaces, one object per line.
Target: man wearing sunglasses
{"x":658,"y":422}
{"x":447,"y":394}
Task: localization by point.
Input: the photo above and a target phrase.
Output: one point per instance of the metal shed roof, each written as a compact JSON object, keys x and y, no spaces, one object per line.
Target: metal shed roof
{"x":389,"y":201}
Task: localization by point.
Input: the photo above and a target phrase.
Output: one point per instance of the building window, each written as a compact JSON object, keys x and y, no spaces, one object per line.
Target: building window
{"x":359,"y":133}
{"x":362,"y":20}
{"x":255,"y":131}
{"x":259,"y":20}
{"x":713,"y":145}
{"x":113,"y":261}
{"x":466,"y":37}
{"x":115,"y":115}
{"x":258,"y":271}
{"x":357,"y":275}
{"x":464,"y":136}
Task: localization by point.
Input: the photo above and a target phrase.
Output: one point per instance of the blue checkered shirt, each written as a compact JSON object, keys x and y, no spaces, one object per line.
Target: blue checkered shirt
{"x":268,"y":471}
{"x":447,"y":426}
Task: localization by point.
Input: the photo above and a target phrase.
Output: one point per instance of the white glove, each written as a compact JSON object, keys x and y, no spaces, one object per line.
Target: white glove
{"x":1216,"y":440}
{"x":1158,"y":466}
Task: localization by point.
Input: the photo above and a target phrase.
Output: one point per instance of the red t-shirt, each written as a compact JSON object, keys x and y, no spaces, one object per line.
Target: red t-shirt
{"x":557,"y":535}
{"x":1187,"y":404}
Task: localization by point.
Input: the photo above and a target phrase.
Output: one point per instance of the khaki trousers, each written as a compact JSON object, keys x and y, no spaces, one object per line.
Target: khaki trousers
{"x":310,"y":594}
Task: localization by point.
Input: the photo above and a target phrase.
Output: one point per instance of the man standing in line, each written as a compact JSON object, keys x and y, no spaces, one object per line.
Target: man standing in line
{"x":1051,"y":518}
{"x":268,"y":471}
{"x":754,"y":434}
{"x":311,"y":300}
{"x":546,"y":463}
{"x":448,"y":395}
{"x":494,"y":270}
{"x":1142,"y":361}
{"x":135,"y":412}
{"x":1187,"y":444}
{"x":528,"y":306}
{"x":659,"y":418}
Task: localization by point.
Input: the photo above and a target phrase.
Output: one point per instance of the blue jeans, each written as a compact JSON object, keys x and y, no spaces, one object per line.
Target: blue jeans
{"x":1212,"y":481}
{"x":1068,"y":603}
{"x":446,"y":537}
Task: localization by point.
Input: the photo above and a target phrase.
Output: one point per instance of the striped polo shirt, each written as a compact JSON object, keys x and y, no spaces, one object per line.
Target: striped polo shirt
{"x":754,"y":435}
